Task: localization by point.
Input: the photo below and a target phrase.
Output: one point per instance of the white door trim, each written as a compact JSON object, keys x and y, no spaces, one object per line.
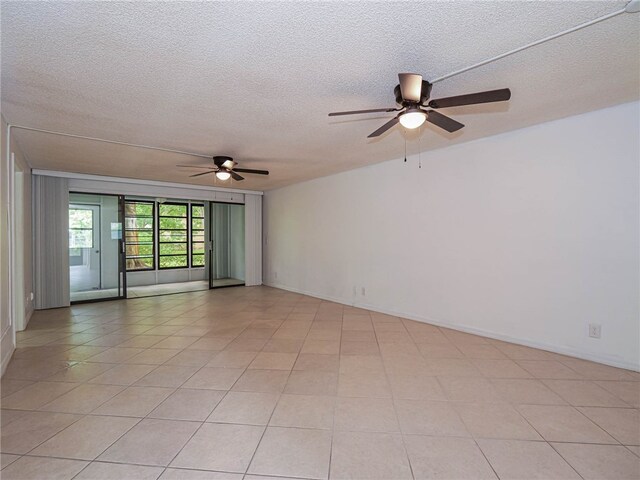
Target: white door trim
{"x":11,"y":328}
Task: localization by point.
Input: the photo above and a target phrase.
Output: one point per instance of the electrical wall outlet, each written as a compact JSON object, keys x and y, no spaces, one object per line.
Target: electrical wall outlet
{"x":595,"y":330}
{"x":363,"y":291}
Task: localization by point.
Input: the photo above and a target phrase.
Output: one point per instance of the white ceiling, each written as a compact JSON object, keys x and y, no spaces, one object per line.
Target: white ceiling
{"x":256,"y":80}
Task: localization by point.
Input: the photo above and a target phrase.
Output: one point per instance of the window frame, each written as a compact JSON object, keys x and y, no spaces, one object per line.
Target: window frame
{"x":83,"y":228}
{"x":153,"y":235}
{"x":187,"y":235}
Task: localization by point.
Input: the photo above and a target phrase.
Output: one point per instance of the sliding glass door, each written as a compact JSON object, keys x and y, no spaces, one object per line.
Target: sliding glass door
{"x":166,"y":251}
{"x":226,"y":265}
{"x":96,"y":253}
{"x":152,"y":247}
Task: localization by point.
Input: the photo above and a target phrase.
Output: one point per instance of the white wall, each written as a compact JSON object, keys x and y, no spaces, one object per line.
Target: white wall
{"x":22,"y":283}
{"x":527,"y":236}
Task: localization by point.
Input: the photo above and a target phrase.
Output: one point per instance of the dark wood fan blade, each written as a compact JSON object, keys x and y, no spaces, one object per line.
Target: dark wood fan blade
{"x":442,"y":121}
{"x":384,"y":128}
{"x":354,"y":112}
{"x":235,"y":176}
{"x":250,"y":170}
{"x":195,"y":166}
{"x":500,"y":95}
{"x":203,"y":173}
{"x":410,"y":86}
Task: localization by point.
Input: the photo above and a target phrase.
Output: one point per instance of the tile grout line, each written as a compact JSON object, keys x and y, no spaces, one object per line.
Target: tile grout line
{"x":246,"y":472}
{"x":205,"y":421}
{"x":335,"y":402}
{"x":395,"y":412}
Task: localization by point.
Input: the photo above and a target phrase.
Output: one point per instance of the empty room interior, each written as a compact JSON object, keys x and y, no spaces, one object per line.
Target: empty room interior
{"x":382,"y":240}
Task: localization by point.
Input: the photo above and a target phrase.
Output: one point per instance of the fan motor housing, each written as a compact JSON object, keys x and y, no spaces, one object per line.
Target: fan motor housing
{"x":219,"y":160}
{"x":424,"y":96}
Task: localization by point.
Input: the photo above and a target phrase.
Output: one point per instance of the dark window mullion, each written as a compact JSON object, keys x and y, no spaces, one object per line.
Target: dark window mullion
{"x":146,"y":218}
{"x":194,"y":231}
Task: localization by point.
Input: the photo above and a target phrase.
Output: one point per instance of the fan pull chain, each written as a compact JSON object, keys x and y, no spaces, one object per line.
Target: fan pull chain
{"x":405,"y":149}
{"x":420,"y":149}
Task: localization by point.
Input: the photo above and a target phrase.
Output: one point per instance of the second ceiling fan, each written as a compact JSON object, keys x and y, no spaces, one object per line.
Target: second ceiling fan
{"x":224,"y":167}
{"x":413,"y":93}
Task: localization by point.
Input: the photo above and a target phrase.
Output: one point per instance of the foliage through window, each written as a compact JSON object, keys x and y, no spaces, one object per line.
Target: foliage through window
{"x":139,"y":235}
{"x":180,"y":235}
{"x":197,"y":236}
{"x":172,"y":235}
{"x":80,"y":228}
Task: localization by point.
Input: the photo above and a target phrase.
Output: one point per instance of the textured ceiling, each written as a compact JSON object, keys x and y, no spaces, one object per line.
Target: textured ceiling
{"x":256,"y":80}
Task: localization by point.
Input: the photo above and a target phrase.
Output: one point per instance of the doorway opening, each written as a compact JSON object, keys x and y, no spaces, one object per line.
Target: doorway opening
{"x":227,"y":262}
{"x":131,"y":247}
{"x":95,"y":246}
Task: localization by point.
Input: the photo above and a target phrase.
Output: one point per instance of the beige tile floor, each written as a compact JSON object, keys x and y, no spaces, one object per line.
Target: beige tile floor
{"x":259,"y":383}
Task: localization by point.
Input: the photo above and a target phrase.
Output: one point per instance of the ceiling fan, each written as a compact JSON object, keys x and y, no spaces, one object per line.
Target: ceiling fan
{"x":413,"y":93}
{"x":224,"y":168}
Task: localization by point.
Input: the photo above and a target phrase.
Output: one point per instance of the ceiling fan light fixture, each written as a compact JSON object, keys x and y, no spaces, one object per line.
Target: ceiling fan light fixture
{"x":412,"y":118}
{"x":223,"y":175}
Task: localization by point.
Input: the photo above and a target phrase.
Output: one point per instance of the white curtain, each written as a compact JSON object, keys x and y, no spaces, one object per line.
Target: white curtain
{"x":253,"y":239}
{"x":51,"y":241}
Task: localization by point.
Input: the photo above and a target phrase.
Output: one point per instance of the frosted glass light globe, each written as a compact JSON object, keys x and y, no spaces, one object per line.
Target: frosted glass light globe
{"x":412,"y":119}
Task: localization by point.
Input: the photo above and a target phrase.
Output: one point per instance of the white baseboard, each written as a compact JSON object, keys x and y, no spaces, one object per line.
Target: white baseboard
{"x":7,"y":350}
{"x":563,"y":350}
{"x":27,"y":317}
{"x":6,"y":358}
